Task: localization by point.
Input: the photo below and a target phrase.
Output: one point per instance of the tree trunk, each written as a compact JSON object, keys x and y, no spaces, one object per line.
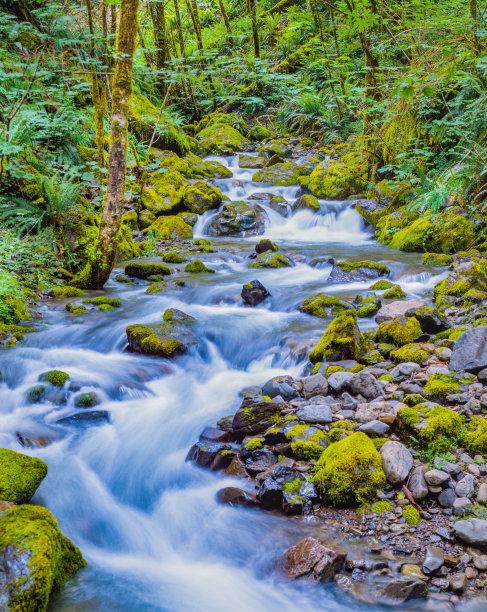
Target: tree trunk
{"x":160,"y":38}
{"x":101,"y":262}
{"x":255,"y":30}
{"x":182,"y":47}
{"x":474,"y":14}
{"x":224,"y":13}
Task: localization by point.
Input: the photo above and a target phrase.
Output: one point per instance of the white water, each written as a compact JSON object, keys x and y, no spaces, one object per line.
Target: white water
{"x":146,"y":520}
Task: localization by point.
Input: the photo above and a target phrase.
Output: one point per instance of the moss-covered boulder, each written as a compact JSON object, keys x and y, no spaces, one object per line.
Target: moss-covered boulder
{"x":475,"y":436}
{"x":197,"y":267}
{"x":173,"y":257}
{"x":171,"y":228}
{"x":140,"y":269}
{"x":440,"y":385}
{"x":265,"y":245}
{"x":169,"y":339}
{"x":127,"y":248}
{"x":57,"y":378}
{"x":428,"y":424}
{"x":322,"y":305}
{"x":250,"y":161}
{"x":36,"y":558}
{"x":409,"y":353}
{"x":306,"y":202}
{"x":349,"y":472}
{"x":20,"y":476}
{"x":367,"y":305}
{"x":270,"y":259}
{"x":238,"y":219}
{"x":382,"y":199}
{"x":436,"y":259}
{"x":221,"y":140}
{"x":278,"y":174}
{"x":337,"y":179}
{"x":219,"y":118}
{"x":259,"y":133}
{"x":394,"y":293}
{"x":164,"y":192}
{"x":276,"y":146}
{"x":68,"y":292}
{"x":200,"y":197}
{"x":353,"y":271}
{"x":146,"y":219}
{"x":399,"y":331}
{"x":104,"y":303}
{"x":382,"y":285}
{"x":341,"y":340}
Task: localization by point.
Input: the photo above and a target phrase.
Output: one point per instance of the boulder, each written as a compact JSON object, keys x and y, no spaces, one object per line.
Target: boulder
{"x":322,"y":305}
{"x":273,"y":201}
{"x":311,"y":386}
{"x":205,"y":453}
{"x":374,"y":428}
{"x":466,"y":486}
{"x":380,"y":411}
{"x":20,"y":476}
{"x":238,"y":219}
{"x":144,"y":270}
{"x":312,"y":559}
{"x":200,"y":197}
{"x":470,"y":351}
{"x":339,"y":380}
{"x":86,"y":419}
{"x":402,"y":589}
{"x":315,"y":413}
{"x":265,"y":245}
{"x":254,"y":292}
{"x":366,"y":385}
{"x":341,"y":340}
{"x":357,"y":271}
{"x":306,"y":202}
{"x":35,"y":558}
{"x":417,"y":483}
{"x":397,"y":461}
{"x":436,"y":477}
{"x":270,"y":259}
{"x":251,"y":161}
{"x":232,"y":496}
{"x":472,"y":531}
{"x":434,"y":559}
{"x":397,"y":309}
{"x":286,"y":173}
{"x":271,"y":491}
{"x":221,"y":139}
{"x":280,"y":386}
{"x":255,"y":415}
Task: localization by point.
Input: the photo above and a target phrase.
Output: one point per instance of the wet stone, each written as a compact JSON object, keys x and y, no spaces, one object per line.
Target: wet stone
{"x":433,"y":560}
{"x":204,"y":453}
{"x":232,"y":496}
{"x":313,"y":560}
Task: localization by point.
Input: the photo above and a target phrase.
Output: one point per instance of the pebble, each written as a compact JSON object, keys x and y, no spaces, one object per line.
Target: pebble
{"x":436,"y":477}
{"x":480,"y":562}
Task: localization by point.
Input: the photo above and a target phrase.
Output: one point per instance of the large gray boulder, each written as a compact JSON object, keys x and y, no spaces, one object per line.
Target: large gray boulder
{"x":470,"y":351}
{"x":397,"y":461}
{"x":238,"y":219}
{"x":472,"y":531}
{"x":366,"y":385}
{"x":397,"y":309}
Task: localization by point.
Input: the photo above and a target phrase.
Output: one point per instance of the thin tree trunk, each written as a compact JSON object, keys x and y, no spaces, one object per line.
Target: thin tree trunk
{"x":337,"y":48}
{"x":182,"y":47}
{"x":102,"y":260}
{"x":474,"y":14}
{"x":97,"y":93}
{"x":160,"y":38}
{"x":255,"y":30}
{"x":224,"y":13}
{"x":197,"y":23}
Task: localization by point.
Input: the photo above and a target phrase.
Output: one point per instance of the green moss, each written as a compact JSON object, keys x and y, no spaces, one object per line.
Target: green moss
{"x":382,"y":506}
{"x":156,"y":288}
{"x":259,"y":133}
{"x":341,"y":340}
{"x":35,"y":394}
{"x":413,"y":399}
{"x":338,"y":179}
{"x":294,"y":486}
{"x":42,"y":556}
{"x":68,"y":292}
{"x":475,"y":296}
{"x":20,"y":476}
{"x":12,"y":308}
{"x":381,"y":285}
{"x":475,"y":436}
{"x":197,"y":266}
{"x":171,"y":228}
{"x":122,"y":278}
{"x":440,"y":385}
{"x":410,"y":514}
{"x":297,"y":430}
{"x":399,"y":331}
{"x":457,"y":288}
{"x":126,"y":247}
{"x":322,"y":305}
{"x":154,"y":340}
{"x":436,"y":259}
{"x":409,"y":416}
{"x":338,"y":429}
{"x":353,"y":266}
{"x":349,"y":472}
{"x":144,"y":270}
{"x":164,"y":192}
{"x":409,"y":352}
{"x":104,"y":301}
{"x":386,"y":378}
{"x":254,"y":444}
{"x":76,"y":309}
{"x":372,"y":357}
{"x":202,"y":242}
{"x":396,"y":293}
{"x":55,"y":377}
{"x":368,"y":310}
{"x":271,"y":260}
{"x":105,"y":307}
{"x":286,"y":173}
{"x":306,"y":450}
{"x":379,"y":442}
{"x":173,"y":257}
{"x":201,"y":196}
{"x":430,"y":424}
{"x":221,"y":139}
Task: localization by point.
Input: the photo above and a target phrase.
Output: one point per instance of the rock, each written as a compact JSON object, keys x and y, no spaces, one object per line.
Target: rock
{"x":397,"y":309}
{"x":461,"y":506}
{"x":86,"y":400}
{"x":144,"y":270}
{"x":265,"y":245}
{"x":470,"y":351}
{"x":434,"y":559}
{"x":436,"y":477}
{"x":447,"y":498}
{"x":306,"y":202}
{"x":397,"y":461}
{"x":405,"y":369}
{"x":402,"y":589}
{"x":458,"y":583}
{"x":472,"y":531}
{"x":374,"y":428}
{"x":212,"y":434}
{"x":221,"y":140}
{"x":292,"y":503}
{"x":35,"y":558}
{"x":312,"y":559}
{"x":238,"y":219}
{"x":255,"y":415}
{"x":201,"y":196}
{"x":366,"y":385}
{"x":272,"y":260}
{"x":232,"y":496}
{"x":341,"y":340}
{"x":417,"y":483}
{"x":168,"y":339}
{"x":276,"y":202}
{"x":482,"y":494}
{"x":286,"y":173}
{"x":276,"y":386}
{"x":480,"y":562}
{"x":254,"y":293}
{"x":259,"y":461}
{"x":86,"y":419}
{"x":311,"y":386}
{"x":376,"y":411}
{"x":204,"y":453}
{"x":348,"y":272}
{"x":20,"y":476}
{"x":339,"y":380}
{"x":315,"y":413}
{"x":413,"y":571}
{"x":250,"y":161}
{"x":271,"y":491}
{"x":466,"y":486}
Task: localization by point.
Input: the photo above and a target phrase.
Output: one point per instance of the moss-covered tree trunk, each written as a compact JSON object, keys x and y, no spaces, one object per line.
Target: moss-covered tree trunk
{"x":161,"y":40}
{"x":103,"y":255}
{"x":474,"y":14}
{"x":255,"y":30}
{"x":225,"y":18}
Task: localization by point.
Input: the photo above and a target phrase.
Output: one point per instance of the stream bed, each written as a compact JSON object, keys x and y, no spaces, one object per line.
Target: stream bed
{"x":147,"y":521}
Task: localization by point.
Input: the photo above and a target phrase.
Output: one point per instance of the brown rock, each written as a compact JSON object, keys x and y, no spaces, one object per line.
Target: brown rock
{"x":312,"y":559}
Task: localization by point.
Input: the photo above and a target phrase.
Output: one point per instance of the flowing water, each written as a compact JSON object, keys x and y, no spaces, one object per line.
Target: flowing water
{"x":147,"y":521}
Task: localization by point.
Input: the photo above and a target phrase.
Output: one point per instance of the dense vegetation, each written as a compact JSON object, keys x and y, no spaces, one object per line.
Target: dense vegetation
{"x":402,"y":84}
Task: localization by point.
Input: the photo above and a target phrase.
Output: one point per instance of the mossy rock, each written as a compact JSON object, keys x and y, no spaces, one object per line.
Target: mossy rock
{"x":143,"y":270}
{"x":409,"y":353}
{"x":250,"y":161}
{"x":436,"y":259}
{"x":399,"y":331}
{"x":338,"y":179}
{"x":366,"y":306}
{"x":68,"y":292}
{"x":219,"y":118}
{"x":75,"y":309}
{"x":475,"y":436}
{"x":200,"y":197}
{"x":411,"y":515}
{"x":240,"y":218}
{"x":351,"y":271}
{"x":126,"y":247}
{"x":382,"y":285}
{"x":156,"y":288}
{"x":259,"y":133}
{"x":349,"y":472}
{"x":160,"y":339}
{"x":221,"y":140}
{"x":279,"y":147}
{"x":395,"y":293}
{"x":429,"y":424}
{"x":306,"y":202}
{"x":440,"y":385}
{"x":173,"y":257}
{"x":39,"y":558}
{"x":270,"y":259}
{"x":207,"y":168}
{"x":171,"y":228}
{"x":278,"y":174}
{"x":322,"y":305}
{"x":13,"y":309}
{"x":20,"y":476}
{"x":341,"y":340}
{"x":130,"y":219}
{"x":197,"y":267}
{"x":265,"y":245}
{"x":104,"y":301}
{"x":164,"y":192}
{"x":189,"y":218}
{"x":168,"y":160}
{"x":57,"y":378}
{"x":146,"y":219}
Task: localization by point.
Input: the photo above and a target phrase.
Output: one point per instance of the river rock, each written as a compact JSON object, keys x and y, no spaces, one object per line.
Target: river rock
{"x":238,"y":219}
{"x":376,"y":411}
{"x":20,"y":476}
{"x":340,"y":273}
{"x":254,"y":293}
{"x":434,"y":559}
{"x":232,"y":496}
{"x":271,"y":491}
{"x":86,"y":419}
{"x":213,"y":434}
{"x":311,"y":386}
{"x":366,"y":385}
{"x":255,"y":415}
{"x":204,"y":453}
{"x":461,"y":506}
{"x":276,"y":202}
{"x":339,"y":380}
{"x":470,"y":351}
{"x":315,"y":413}
{"x":447,"y":498}
{"x":466,"y":486}
{"x":397,"y":309}
{"x":397,"y":461}
{"x":436,"y":477}
{"x":374,"y":428}
{"x":312,"y":559}
{"x":402,"y":589}
{"x":482,"y":494}
{"x":417,"y":483}
{"x":169,"y":339}
{"x":280,"y":386}
{"x":472,"y":531}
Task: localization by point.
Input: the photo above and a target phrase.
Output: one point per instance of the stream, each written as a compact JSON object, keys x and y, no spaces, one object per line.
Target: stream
{"x":146,"y":520}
